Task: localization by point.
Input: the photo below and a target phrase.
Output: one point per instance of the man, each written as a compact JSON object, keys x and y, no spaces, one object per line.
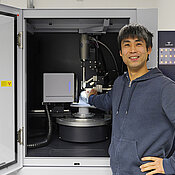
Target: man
{"x":143,"y":106}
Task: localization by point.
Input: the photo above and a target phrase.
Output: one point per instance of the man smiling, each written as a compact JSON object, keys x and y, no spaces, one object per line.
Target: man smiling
{"x":143,"y":106}
{"x":134,"y":54}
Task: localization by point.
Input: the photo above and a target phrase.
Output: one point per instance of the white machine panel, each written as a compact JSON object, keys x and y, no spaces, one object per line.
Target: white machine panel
{"x":65,"y":170}
{"x":58,"y":87}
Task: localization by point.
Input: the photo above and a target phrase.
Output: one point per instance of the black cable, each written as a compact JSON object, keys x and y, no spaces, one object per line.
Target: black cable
{"x":49,"y":135}
{"x":114,"y":60}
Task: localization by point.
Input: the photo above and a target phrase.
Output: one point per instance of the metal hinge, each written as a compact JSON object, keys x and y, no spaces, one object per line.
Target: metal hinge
{"x":20,"y":135}
{"x":20,"y":40}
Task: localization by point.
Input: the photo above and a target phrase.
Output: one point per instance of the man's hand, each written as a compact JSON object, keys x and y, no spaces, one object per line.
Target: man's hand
{"x":93,"y":92}
{"x":156,"y":165}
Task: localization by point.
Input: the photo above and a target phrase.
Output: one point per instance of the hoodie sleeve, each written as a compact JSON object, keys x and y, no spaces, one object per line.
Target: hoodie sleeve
{"x":103,"y":101}
{"x":168,"y":104}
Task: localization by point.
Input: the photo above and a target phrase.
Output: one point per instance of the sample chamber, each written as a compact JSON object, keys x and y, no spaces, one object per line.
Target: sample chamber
{"x":52,"y":44}
{"x":56,"y":46}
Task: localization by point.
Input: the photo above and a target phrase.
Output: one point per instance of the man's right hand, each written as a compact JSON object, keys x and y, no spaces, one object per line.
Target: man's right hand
{"x":93,"y":92}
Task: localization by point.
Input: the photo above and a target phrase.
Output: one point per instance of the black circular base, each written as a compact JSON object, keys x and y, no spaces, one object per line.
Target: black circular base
{"x":83,"y":134}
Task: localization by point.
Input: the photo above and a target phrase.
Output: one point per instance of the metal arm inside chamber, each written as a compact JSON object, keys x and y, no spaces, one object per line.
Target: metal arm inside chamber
{"x":83,"y":111}
{"x":84,"y":55}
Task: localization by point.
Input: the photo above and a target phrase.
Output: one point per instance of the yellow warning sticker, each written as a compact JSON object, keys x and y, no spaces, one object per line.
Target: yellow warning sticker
{"x":6,"y":83}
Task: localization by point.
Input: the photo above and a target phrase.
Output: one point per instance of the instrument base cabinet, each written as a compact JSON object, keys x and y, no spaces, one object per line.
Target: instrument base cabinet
{"x":64,"y":171}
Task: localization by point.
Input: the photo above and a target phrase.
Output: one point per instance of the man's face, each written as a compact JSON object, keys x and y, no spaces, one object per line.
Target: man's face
{"x":134,"y":53}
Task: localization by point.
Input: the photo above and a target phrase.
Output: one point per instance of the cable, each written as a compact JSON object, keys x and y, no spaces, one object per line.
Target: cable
{"x":48,"y":138}
{"x":97,"y":41}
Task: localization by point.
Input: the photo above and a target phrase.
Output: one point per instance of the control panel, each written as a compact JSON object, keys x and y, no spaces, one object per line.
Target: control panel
{"x":166,"y":53}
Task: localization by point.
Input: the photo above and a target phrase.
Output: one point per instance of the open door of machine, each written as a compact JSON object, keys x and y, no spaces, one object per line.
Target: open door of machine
{"x":10,"y":87}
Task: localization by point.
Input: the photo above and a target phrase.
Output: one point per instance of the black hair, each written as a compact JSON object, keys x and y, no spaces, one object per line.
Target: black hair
{"x":135,"y":31}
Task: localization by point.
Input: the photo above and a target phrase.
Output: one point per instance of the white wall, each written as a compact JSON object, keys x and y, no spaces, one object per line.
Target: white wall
{"x":166,"y":14}
{"x":15,"y":3}
{"x":94,"y":3}
{"x":82,"y":3}
{"x":165,"y":7}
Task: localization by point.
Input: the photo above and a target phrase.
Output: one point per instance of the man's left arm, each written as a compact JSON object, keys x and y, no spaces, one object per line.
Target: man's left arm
{"x":166,"y":165}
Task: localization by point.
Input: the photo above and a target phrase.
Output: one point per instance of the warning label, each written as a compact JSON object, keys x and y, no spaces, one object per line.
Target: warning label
{"x":6,"y":83}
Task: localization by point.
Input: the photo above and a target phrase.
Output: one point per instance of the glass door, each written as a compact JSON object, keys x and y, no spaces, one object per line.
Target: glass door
{"x":8,"y":90}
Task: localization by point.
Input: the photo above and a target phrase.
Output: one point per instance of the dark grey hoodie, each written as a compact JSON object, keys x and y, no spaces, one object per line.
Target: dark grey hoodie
{"x":143,"y":121}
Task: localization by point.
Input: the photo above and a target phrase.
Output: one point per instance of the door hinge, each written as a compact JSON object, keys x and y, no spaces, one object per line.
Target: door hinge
{"x":20,"y":40}
{"x":20,"y":135}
